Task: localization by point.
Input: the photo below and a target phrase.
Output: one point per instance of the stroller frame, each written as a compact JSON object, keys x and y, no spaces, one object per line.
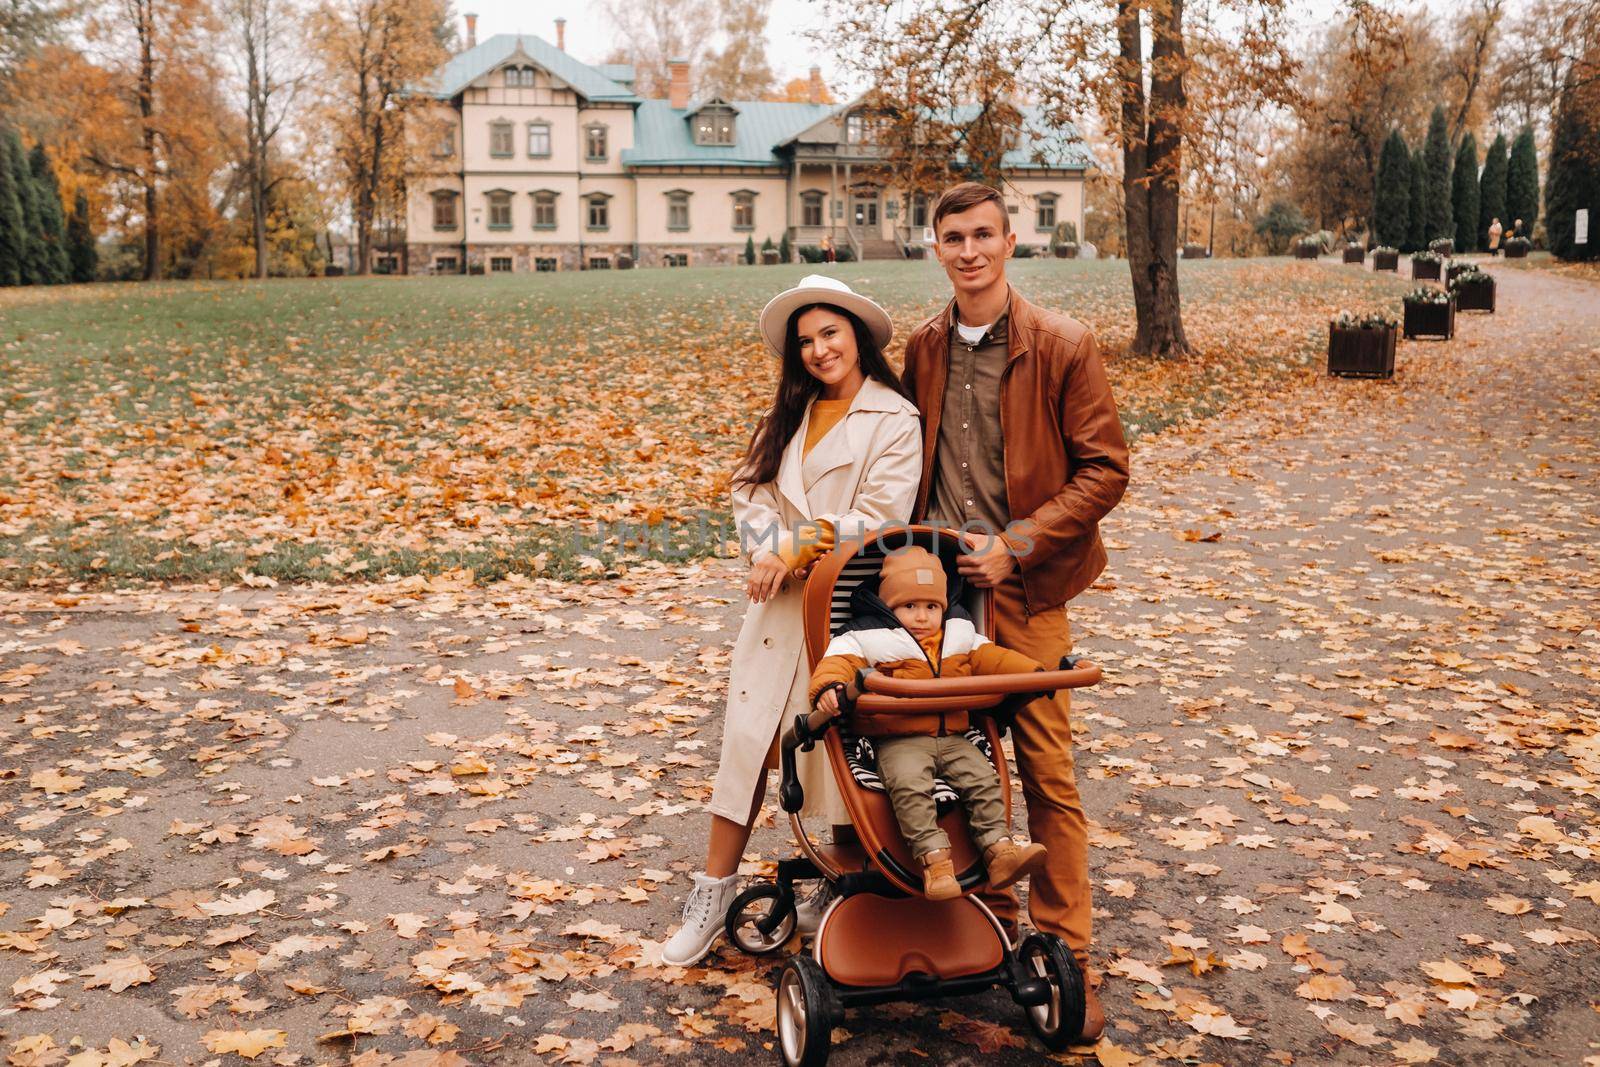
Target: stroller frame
{"x":1040,"y":974}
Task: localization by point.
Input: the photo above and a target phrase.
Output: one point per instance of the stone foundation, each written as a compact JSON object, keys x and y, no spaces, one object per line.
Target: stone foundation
{"x":699,"y":255}
{"x":419,"y":258}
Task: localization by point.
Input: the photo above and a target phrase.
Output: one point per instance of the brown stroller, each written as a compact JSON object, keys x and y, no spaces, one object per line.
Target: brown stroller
{"x":881,"y":940}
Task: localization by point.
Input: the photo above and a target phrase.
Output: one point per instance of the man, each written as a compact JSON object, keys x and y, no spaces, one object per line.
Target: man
{"x":1023,"y":449}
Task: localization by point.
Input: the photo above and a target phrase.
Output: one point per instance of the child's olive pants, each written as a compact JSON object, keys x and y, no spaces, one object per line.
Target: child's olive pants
{"x":908,"y":766}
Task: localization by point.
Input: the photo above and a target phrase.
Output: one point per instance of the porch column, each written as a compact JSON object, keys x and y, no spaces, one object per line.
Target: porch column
{"x":833,"y":198}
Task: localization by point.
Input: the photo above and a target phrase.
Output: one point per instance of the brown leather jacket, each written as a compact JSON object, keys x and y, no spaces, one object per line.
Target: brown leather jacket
{"x":1066,"y":461}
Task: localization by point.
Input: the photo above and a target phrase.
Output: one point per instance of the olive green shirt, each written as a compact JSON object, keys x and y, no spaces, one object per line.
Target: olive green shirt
{"x":969,"y":470}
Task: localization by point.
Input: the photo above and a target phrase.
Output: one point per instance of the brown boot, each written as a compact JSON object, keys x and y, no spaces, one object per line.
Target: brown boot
{"x":1009,"y":863}
{"x":1094,"y":1016}
{"x":939,"y":876}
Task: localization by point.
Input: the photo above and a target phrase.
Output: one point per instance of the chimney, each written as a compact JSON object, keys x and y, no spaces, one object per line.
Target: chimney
{"x":472,"y":30}
{"x":561,"y":34}
{"x":678,"y":86}
{"x":817,"y":91}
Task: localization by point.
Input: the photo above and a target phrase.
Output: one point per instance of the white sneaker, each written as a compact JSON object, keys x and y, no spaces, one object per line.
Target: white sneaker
{"x":704,"y":914}
{"x":809,"y":912}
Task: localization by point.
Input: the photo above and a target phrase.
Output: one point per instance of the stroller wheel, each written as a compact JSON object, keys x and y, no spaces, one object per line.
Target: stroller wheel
{"x":1058,"y":1022}
{"x":807,"y":1011}
{"x":759,"y":920}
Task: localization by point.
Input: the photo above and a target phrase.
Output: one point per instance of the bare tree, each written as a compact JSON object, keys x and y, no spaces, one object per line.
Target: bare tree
{"x":739,"y":70}
{"x":1468,"y":60}
{"x":952,"y":72}
{"x":270,"y":54}
{"x":655,"y":32}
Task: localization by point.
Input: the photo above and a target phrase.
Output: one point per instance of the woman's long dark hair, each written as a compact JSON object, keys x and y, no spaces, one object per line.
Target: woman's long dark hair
{"x":797,"y":388}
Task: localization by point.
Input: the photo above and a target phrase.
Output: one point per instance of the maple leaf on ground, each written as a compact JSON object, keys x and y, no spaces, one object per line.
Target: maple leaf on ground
{"x":246,"y":1043}
{"x":1109,"y":1054}
{"x":595,"y":1001}
{"x":1414,"y":1051}
{"x":118,"y":974}
{"x":1218,"y":1026}
{"x":248,"y":904}
{"x":1506,"y":904}
{"x":1363,"y":1034}
{"x":1450,"y":972}
{"x":1326,"y":987}
{"x":980,"y":1033}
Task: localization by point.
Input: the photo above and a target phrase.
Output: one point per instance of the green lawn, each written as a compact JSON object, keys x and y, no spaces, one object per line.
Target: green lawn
{"x":321,"y":429}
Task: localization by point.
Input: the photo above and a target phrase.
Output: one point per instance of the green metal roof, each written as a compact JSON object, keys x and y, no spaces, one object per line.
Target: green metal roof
{"x":662,"y":134}
{"x":474,"y":63}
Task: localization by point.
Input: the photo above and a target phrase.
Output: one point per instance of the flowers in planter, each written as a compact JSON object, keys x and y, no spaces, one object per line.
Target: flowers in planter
{"x":1518,"y":242}
{"x":1427,"y":294}
{"x":1371,"y":320}
{"x":1385,"y":250}
{"x":1309,"y":242}
{"x":1426,"y":257}
{"x":1470,"y":276}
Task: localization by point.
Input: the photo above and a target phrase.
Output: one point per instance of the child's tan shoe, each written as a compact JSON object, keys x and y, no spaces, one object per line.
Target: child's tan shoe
{"x":1009,"y":863}
{"x":939,"y":876}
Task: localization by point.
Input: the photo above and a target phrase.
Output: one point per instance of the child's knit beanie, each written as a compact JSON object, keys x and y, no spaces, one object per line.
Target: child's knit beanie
{"x":912,"y":574}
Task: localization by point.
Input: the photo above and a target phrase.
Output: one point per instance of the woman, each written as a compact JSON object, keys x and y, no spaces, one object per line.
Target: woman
{"x":838,"y":454}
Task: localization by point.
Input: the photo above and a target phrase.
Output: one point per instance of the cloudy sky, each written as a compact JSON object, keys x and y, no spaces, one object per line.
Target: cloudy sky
{"x":792,"y":51}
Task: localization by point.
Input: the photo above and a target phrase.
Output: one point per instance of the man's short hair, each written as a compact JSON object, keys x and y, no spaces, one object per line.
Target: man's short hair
{"x":965,"y":197}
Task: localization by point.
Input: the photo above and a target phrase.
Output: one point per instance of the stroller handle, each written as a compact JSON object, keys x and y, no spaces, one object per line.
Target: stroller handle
{"x":1083,"y":673}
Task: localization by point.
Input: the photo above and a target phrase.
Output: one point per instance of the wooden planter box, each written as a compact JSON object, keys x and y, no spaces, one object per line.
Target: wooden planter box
{"x":1066,"y":251}
{"x":770,"y":257}
{"x":1430,"y":320}
{"x":1516,"y":250}
{"x":1355,"y":254}
{"x":1444,"y":246}
{"x":1386,"y":261}
{"x":1195,"y":252}
{"x":1475,"y":296}
{"x":1425,"y":271}
{"x":1305,"y":251}
{"x":1361,"y":353}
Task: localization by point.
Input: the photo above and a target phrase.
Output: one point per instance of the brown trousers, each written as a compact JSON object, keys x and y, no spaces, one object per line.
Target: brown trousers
{"x":1058,"y":896}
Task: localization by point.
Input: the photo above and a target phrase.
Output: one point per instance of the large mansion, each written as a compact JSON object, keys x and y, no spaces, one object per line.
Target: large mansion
{"x":537,"y":162}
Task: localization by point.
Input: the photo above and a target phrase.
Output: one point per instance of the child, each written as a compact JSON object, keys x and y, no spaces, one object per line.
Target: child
{"x":906,"y":632}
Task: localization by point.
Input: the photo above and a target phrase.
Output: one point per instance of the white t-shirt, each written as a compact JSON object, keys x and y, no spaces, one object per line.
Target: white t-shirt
{"x":971,"y":335}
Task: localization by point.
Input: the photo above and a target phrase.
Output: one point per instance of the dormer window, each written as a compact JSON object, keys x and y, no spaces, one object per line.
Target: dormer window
{"x":862,"y":127}
{"x":519,"y":76}
{"x":713,"y":125}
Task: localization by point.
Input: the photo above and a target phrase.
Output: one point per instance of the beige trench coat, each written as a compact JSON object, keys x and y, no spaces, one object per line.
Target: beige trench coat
{"x":861,"y":475}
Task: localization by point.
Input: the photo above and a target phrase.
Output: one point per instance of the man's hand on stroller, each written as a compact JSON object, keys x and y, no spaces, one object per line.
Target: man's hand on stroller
{"x":986,"y":559}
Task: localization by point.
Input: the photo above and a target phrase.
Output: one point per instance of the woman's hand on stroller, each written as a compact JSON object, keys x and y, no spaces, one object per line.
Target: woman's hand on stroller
{"x":767,"y":571}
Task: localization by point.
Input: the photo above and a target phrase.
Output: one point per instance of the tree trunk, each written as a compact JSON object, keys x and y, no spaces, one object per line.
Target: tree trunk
{"x":144,"y":25}
{"x":256,"y":133}
{"x":1152,"y":164}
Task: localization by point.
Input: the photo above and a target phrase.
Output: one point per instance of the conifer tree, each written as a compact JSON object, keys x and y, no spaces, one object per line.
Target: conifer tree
{"x":1417,"y":229}
{"x":81,"y":253}
{"x":52,"y":221}
{"x":29,"y":267}
{"x":13,"y":240}
{"x":1492,"y":190}
{"x":1464,"y":194}
{"x":1441,"y":218}
{"x":1574,"y":181}
{"x":1391,"y":206}
{"x":1522,"y":182}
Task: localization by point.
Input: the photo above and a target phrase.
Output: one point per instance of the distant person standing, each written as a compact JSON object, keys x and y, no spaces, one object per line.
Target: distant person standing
{"x":1495,"y":230}
{"x":829,"y":255}
{"x":1516,"y":229}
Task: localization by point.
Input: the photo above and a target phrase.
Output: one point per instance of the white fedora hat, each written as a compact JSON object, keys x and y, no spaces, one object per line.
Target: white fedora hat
{"x":821,"y":289}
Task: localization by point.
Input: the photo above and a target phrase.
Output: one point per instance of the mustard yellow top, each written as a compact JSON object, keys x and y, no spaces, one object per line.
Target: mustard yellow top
{"x":825,"y":415}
